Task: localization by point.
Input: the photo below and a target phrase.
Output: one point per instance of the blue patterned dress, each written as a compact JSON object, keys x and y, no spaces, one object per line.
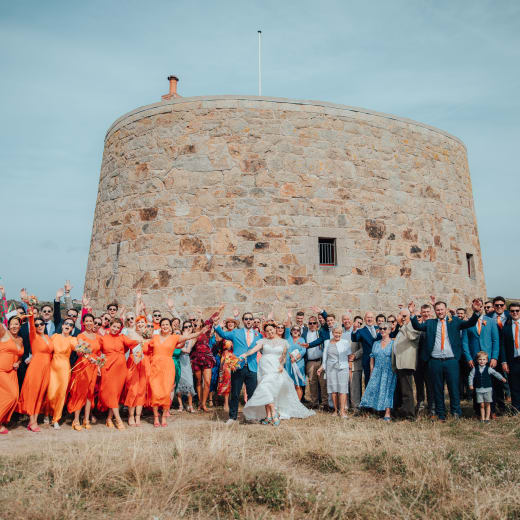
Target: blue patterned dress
{"x":379,"y":393}
{"x":299,"y":380}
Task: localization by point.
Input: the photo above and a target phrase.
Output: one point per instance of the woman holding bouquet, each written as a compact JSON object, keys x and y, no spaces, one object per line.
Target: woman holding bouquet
{"x":63,"y":344}
{"x":84,"y":373}
{"x":38,"y":372}
{"x":114,"y":371}
{"x":162,"y":367}
{"x":11,"y":349}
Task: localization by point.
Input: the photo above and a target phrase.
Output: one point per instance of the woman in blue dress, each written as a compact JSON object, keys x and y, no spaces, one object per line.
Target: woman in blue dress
{"x":295,"y":363}
{"x":379,"y":393}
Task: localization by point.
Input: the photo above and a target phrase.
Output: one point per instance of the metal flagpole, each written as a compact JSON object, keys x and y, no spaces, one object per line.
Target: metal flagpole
{"x":259,"y":63}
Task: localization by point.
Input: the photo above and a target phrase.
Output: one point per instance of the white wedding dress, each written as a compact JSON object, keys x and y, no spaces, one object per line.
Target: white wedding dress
{"x":274,"y":386}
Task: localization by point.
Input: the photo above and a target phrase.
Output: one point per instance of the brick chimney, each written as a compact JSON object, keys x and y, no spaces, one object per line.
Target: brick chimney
{"x":173,"y":88}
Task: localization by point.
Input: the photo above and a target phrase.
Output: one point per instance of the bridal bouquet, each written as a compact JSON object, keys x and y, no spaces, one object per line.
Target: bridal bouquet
{"x":233,"y":362}
{"x":83,"y":348}
{"x":100,"y":360}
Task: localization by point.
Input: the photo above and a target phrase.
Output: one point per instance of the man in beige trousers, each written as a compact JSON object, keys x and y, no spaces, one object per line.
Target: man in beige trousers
{"x":404,"y":363}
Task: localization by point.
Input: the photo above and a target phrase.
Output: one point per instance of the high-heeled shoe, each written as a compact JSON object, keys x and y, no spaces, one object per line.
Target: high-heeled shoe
{"x":110,"y":423}
{"x":76,"y":426}
{"x":120,"y":425}
{"x":86,"y":425}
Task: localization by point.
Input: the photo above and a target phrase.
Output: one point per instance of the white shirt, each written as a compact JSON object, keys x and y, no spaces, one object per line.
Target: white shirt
{"x":437,"y":352}
{"x":347,"y":334}
{"x":372,"y":330}
{"x":313,"y":353}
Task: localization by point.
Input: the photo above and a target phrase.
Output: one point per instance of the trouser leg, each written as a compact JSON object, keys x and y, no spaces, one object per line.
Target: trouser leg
{"x":322,"y":382}
{"x":250,"y":380}
{"x":237,"y":380}
{"x":435,"y":374}
{"x":366,"y":371}
{"x":355,"y":389}
{"x":452,"y":372}
{"x":407,"y":407}
{"x":514,"y":384}
{"x":312,"y":378}
{"x":498,"y":391}
{"x":419,"y":381}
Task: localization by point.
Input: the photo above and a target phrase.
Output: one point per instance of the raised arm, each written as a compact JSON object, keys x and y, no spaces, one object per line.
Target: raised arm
{"x":57,"y":307}
{"x":226,"y":334}
{"x":194,"y":335}
{"x":477,"y":309}
{"x":258,"y":346}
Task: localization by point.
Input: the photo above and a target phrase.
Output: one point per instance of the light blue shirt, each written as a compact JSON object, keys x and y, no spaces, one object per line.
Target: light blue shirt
{"x":437,"y":352}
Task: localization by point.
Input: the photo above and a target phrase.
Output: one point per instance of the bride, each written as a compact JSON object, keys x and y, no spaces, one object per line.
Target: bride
{"x":275,"y":397}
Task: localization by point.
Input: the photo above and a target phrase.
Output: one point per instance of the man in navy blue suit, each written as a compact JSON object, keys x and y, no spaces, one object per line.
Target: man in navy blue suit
{"x":510,"y":353}
{"x":367,"y":336}
{"x":500,"y":315}
{"x":442,"y":352}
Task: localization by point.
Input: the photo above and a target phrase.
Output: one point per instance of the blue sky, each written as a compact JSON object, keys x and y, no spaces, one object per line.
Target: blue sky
{"x":69,"y":69}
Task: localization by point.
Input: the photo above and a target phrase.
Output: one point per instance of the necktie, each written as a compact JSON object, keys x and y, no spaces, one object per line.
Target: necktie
{"x":499,"y":322}
{"x":443,"y":334}
{"x":248,"y":337}
{"x":517,"y":343}
{"x":479,"y":326}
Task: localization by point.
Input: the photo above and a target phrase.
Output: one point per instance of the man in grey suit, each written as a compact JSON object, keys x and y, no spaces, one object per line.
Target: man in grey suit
{"x":356,"y":358}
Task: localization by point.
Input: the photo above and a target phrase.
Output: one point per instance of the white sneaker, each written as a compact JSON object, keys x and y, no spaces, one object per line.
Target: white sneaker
{"x":56,"y":426}
{"x":46,"y":420}
{"x":230,"y":422}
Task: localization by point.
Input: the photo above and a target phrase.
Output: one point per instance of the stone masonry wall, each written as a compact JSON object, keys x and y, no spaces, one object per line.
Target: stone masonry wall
{"x":222,"y":199}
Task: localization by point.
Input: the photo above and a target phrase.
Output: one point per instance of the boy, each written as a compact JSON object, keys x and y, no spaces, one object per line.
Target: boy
{"x":480,"y":380}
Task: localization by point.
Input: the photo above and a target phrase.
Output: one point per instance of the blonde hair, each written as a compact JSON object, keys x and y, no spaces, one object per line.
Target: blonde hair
{"x":482,"y":354}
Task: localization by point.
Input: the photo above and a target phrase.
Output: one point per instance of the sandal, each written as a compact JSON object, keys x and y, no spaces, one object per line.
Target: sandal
{"x":156,"y":423}
{"x":120,"y":425}
{"x":110,"y":423}
{"x":4,"y":431}
{"x":76,"y":426}
{"x":276,"y":420}
{"x":33,"y":428}
{"x":86,"y":425}
{"x":190,"y":409}
{"x":266,"y":420}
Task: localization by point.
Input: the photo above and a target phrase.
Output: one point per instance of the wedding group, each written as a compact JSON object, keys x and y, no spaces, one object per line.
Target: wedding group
{"x":393,"y":367}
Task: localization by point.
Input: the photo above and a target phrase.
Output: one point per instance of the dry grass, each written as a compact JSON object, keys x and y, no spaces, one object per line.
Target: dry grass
{"x":323,"y":467}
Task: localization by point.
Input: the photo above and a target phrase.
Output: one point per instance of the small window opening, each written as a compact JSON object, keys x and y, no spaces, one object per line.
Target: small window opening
{"x":327,"y":250}
{"x":470,"y":261}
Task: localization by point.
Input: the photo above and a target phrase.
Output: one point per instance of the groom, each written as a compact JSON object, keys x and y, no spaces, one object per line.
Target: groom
{"x":243,"y":340}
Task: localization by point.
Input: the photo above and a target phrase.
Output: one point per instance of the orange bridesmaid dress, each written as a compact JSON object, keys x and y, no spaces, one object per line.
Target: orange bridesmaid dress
{"x":60,"y":373}
{"x":10,"y":352}
{"x":162,"y":369}
{"x":136,"y":385}
{"x":38,"y":372}
{"x":114,"y":371}
{"x":84,"y":376}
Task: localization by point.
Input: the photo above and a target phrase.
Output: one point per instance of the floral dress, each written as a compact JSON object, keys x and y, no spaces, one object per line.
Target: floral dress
{"x":224,"y":375}
{"x":201,"y":356}
{"x":379,"y":393}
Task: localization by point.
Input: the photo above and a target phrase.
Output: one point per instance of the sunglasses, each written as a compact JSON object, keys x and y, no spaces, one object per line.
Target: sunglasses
{"x":68,"y":324}
{"x":313,"y":323}
{"x":156,"y":315}
{"x":500,"y":304}
{"x":130,"y":318}
{"x":383,"y":328}
{"x":112,"y":309}
{"x":391,"y":321}
{"x":190,"y":326}
{"x":280,"y":327}
{"x":514,"y":310}
{"x":97,"y":323}
{"x":73,"y":316}
{"x":149,"y":326}
{"x":248,"y":319}
{"x":39,"y":324}
{"x":47,"y":311}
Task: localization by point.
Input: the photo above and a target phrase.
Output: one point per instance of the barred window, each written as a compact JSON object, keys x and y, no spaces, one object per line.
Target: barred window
{"x":327,"y":251}
{"x":470,"y":261}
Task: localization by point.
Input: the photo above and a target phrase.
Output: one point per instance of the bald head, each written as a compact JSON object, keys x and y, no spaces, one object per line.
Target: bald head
{"x":404,"y":316}
{"x":369,"y":318}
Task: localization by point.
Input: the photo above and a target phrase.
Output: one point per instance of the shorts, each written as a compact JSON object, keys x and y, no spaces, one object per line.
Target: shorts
{"x":485,"y":397}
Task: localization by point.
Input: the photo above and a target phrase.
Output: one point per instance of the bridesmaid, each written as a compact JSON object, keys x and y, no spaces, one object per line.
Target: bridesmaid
{"x":38,"y":373}
{"x":162,"y":367}
{"x":136,"y":385}
{"x":11,"y":349}
{"x":84,"y":376}
{"x":295,"y":362}
{"x":114,"y":371}
{"x":63,"y":344}
{"x":224,"y":377}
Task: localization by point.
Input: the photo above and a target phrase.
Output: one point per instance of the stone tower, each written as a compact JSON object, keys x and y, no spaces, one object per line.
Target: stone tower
{"x":264,"y":202}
